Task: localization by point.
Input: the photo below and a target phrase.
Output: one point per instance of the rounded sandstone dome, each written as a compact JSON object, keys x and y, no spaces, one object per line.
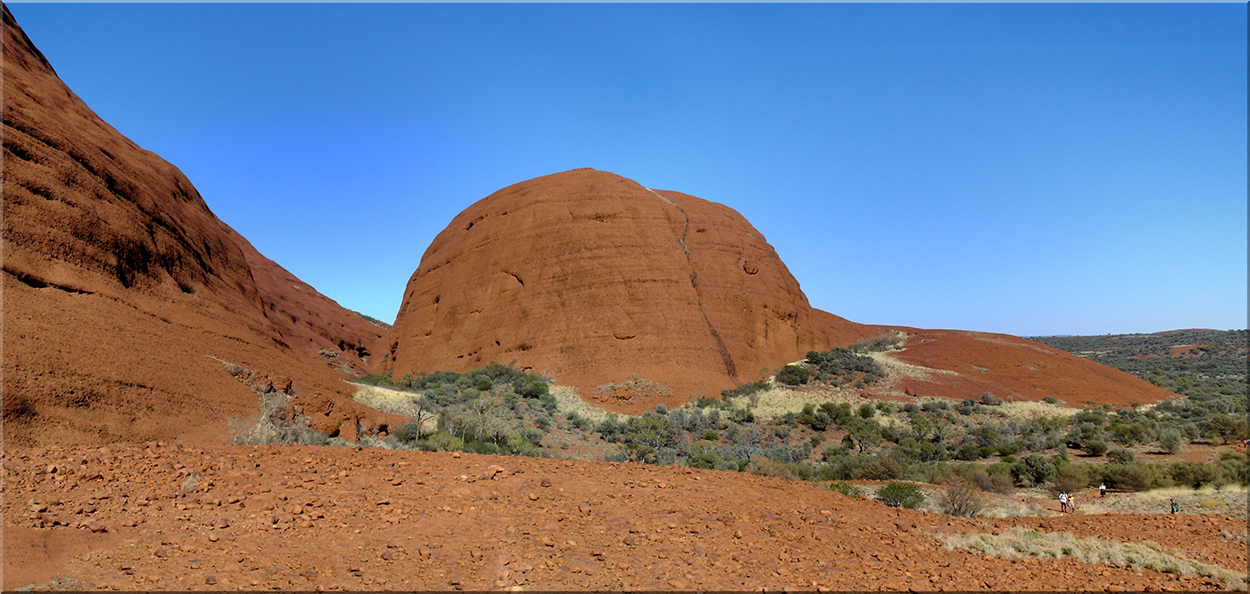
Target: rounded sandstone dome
{"x":592,"y":278}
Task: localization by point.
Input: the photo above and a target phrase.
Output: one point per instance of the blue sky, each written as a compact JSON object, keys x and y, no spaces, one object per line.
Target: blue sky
{"x":1028,"y":169}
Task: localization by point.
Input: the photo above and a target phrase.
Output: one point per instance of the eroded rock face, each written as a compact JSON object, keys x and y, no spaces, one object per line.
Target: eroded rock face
{"x":123,"y":293}
{"x":591,"y":278}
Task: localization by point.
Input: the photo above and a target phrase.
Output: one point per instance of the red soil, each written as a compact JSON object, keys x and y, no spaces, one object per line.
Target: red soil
{"x":163,"y":517}
{"x":1022,"y":369}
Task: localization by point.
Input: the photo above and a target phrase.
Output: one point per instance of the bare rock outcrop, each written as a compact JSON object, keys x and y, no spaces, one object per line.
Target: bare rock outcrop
{"x":592,"y":278}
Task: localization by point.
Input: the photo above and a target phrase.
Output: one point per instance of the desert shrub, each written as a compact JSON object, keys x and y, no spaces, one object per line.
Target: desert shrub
{"x":276,"y":424}
{"x":1121,"y":455}
{"x":408,"y":432}
{"x":1234,"y":468}
{"x":1033,"y":469}
{"x":968,"y":452}
{"x":833,"y":452}
{"x":530,"y":386}
{"x":1050,"y":400}
{"x":882,"y":343}
{"x":442,"y":441}
{"x":1170,"y":440}
{"x":1094,"y":416}
{"x":1070,"y":478}
{"x":961,"y":498}
{"x":1192,"y":474}
{"x":1127,"y":433}
{"x":911,"y":408}
{"x":384,"y":379}
{"x":898,"y":494}
{"x":746,"y":389}
{"x":989,"y":399}
{"x":611,"y":428}
{"x":764,"y":466}
{"x":1132,"y":476}
{"x":1226,"y":428}
{"x":793,"y":375}
{"x":1096,"y":448}
{"x":845,"y":488}
{"x":1001,"y":481}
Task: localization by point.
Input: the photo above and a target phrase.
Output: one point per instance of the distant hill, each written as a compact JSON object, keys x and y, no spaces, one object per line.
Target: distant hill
{"x":1187,"y":362}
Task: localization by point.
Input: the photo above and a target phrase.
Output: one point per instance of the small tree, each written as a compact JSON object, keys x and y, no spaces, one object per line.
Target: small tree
{"x":898,"y":494}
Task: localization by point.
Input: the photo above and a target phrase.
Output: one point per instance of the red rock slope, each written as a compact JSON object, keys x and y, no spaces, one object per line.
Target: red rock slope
{"x":590,"y":277}
{"x":120,"y":284}
{"x":961,"y":364}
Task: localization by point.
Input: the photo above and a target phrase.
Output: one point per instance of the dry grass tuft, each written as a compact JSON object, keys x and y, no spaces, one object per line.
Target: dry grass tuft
{"x":1019,"y":542}
{"x":567,"y":400}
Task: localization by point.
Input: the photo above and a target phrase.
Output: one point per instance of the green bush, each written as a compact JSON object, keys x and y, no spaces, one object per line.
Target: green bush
{"x":1132,"y":476}
{"x":408,"y":432}
{"x":898,"y":494}
{"x":1192,"y":474}
{"x":1121,"y":455}
{"x":530,"y":386}
{"x":376,"y":380}
{"x":1170,"y":440}
{"x":745,"y":389}
{"x":845,"y":488}
{"x":793,"y":375}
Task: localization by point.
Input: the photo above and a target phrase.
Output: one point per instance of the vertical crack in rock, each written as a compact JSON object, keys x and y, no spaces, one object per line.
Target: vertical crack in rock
{"x":730,"y":368}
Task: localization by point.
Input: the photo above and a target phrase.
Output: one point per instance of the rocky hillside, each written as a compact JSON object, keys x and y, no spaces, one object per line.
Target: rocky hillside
{"x":124,"y":294}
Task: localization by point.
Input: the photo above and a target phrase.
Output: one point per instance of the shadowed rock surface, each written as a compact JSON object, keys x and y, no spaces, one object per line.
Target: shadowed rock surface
{"x":120,"y":284}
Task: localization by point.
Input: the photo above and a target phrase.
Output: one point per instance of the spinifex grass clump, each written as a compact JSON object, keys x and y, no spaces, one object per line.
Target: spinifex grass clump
{"x":1018,"y":542}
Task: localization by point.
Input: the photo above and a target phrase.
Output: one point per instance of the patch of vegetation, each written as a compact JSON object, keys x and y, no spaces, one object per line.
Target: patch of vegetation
{"x":845,"y":488}
{"x":277,"y":423}
{"x":961,"y":498}
{"x":878,"y":344}
{"x":1018,"y":542}
{"x":1205,"y":365}
{"x":374,"y":379}
{"x":898,"y":494}
{"x":841,"y":366}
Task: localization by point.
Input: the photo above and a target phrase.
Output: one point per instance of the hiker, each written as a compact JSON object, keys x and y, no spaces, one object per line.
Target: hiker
{"x":1175,"y":508}
{"x":1072,"y":504}
{"x":1102,"y":490}
{"x":1063,"y":502}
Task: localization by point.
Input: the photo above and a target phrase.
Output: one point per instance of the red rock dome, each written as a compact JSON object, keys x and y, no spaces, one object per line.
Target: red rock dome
{"x":590,"y":277}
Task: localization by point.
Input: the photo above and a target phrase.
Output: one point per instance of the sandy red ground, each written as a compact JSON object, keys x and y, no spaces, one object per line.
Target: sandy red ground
{"x":162,"y":517}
